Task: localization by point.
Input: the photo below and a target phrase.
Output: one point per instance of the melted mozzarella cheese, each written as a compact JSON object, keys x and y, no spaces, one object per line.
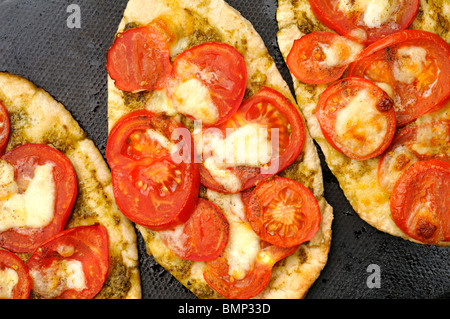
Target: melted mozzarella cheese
{"x":248,"y":145}
{"x":8,"y":280}
{"x":194,"y":99}
{"x":376,"y":12}
{"x":340,"y":52}
{"x":361,"y":125}
{"x":66,"y":274}
{"x":243,"y":246}
{"x":410,"y":63}
{"x":432,"y":140}
{"x":35,"y":207}
{"x":394,"y":164}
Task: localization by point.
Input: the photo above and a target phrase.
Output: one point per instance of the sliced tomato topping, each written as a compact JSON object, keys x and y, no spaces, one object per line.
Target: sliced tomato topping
{"x":413,"y":67}
{"x":321,"y":57}
{"x":357,"y":118}
{"x":15,"y":281}
{"x":26,"y":160}
{"x":420,"y":201}
{"x":155,"y":179}
{"x":203,"y":237}
{"x":256,"y":279}
{"x":365,"y":21}
{"x":208,"y":82}
{"x":415,"y":142}
{"x":139,"y":59}
{"x":4,"y":128}
{"x":283,"y":212}
{"x":262,"y":138}
{"x":73,"y":264}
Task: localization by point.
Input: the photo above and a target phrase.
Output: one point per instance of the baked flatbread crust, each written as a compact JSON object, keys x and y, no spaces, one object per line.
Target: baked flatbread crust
{"x":358,"y":179}
{"x":214,"y":20}
{"x":36,"y":117}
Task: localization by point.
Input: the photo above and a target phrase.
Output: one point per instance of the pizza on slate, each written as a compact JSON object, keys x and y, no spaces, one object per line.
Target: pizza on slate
{"x":61,"y":233}
{"x":209,"y":154}
{"x":371,"y":78}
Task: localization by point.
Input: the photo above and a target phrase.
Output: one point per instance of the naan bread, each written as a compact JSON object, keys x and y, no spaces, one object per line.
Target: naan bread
{"x":214,"y":20}
{"x":36,"y":117}
{"x":358,"y":180}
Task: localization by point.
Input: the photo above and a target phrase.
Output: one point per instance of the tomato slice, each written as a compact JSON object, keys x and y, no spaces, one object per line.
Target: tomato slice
{"x":139,"y":59}
{"x":12,"y":264}
{"x":413,"y":66}
{"x":73,"y":264}
{"x":4,"y":128}
{"x":283,"y":212}
{"x":357,"y":118}
{"x":321,"y":57}
{"x":420,"y":201}
{"x":25,"y":160}
{"x":415,"y":142}
{"x":217,"y":275}
{"x":203,"y":237}
{"x":153,"y":185}
{"x":365,"y":21}
{"x":208,"y":82}
{"x":273,"y":134}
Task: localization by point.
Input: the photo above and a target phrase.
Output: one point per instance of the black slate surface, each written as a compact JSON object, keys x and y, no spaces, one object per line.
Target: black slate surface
{"x":69,"y":63}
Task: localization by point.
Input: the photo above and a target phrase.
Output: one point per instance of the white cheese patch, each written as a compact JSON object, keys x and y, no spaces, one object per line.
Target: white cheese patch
{"x":249,"y":145}
{"x":60,"y":276}
{"x":8,"y":280}
{"x":334,"y":52}
{"x":432,"y":140}
{"x":376,"y":12}
{"x":409,"y":64}
{"x":243,"y":245}
{"x":194,"y":99}
{"x":35,"y":207}
{"x":361,"y":125}
{"x":159,"y":102}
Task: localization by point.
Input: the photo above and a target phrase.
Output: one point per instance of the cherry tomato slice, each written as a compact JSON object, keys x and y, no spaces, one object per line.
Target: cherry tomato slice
{"x":208,"y":82}
{"x":153,"y":186}
{"x":357,"y":118}
{"x":283,"y":212}
{"x":203,"y":237}
{"x":25,"y":159}
{"x":365,"y":21}
{"x":11,"y":263}
{"x":255,"y":281}
{"x":413,"y":66}
{"x":139,"y":59}
{"x":73,"y":264}
{"x":269,"y":111}
{"x":321,"y":57}
{"x":420,"y":201}
{"x":415,"y":142}
{"x":4,"y":128}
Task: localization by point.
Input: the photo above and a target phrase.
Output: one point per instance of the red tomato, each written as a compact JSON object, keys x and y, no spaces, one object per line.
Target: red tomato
{"x":151,"y":186}
{"x":420,"y":201}
{"x":25,"y":159}
{"x":283,"y":212}
{"x":139,"y":59}
{"x":357,"y":118}
{"x":219,"y":68}
{"x":363,"y":23}
{"x":203,"y":236}
{"x":307,"y":59}
{"x":414,"y":65}
{"x":255,"y":281}
{"x":4,"y":128}
{"x":57,"y":258}
{"x":21,"y":289}
{"x":271,"y":110}
{"x":415,"y":142}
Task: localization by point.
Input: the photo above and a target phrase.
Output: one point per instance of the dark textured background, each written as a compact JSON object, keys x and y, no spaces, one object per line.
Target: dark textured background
{"x":36,"y":43}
